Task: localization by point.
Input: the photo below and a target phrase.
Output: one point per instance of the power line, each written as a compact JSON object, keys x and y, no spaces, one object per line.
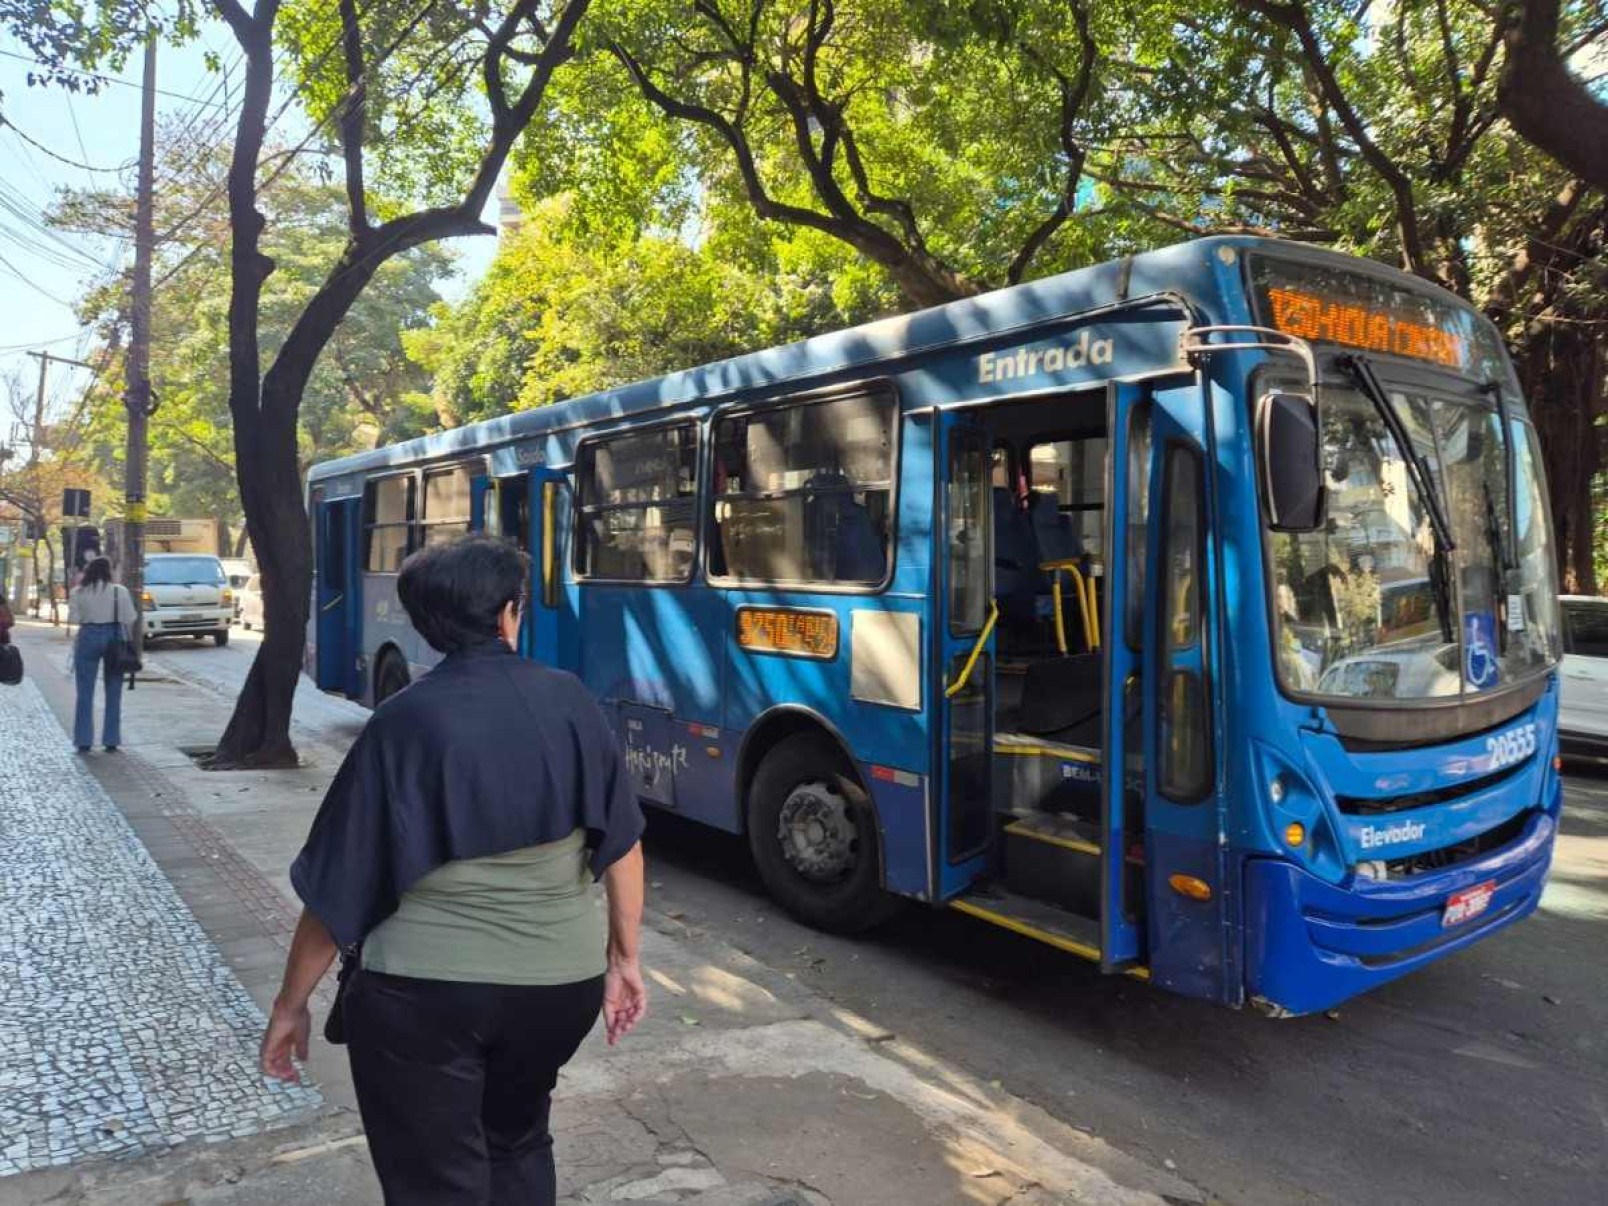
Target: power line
{"x":93,"y":75}
{"x":56,"y":155}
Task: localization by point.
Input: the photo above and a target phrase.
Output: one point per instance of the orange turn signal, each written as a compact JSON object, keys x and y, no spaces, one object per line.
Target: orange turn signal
{"x":1295,"y":834}
{"x":1557,"y":762}
{"x":1188,"y":885}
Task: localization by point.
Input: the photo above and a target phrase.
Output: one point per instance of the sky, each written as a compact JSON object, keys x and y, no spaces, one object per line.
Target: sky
{"x":52,"y":139}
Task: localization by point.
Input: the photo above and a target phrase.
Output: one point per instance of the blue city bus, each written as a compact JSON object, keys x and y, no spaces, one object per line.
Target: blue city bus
{"x":1068,"y":606}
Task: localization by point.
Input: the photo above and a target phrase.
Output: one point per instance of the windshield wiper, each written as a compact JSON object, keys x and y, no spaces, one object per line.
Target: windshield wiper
{"x":1362,"y":372}
{"x":1507,"y":550}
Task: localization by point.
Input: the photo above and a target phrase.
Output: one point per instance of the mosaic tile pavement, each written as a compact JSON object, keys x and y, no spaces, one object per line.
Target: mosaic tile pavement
{"x":122,"y":1030}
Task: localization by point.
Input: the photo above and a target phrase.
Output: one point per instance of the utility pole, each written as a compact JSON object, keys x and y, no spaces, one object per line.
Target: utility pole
{"x":36,"y":448}
{"x":138,"y":388}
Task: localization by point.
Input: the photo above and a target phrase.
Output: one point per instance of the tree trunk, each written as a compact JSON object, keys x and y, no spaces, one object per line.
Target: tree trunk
{"x":258,"y":733}
{"x":1564,"y":372}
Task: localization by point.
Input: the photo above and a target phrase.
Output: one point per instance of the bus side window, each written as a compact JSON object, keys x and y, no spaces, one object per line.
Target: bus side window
{"x":1185,"y":772}
{"x":448,"y":502}
{"x":803,"y":493}
{"x":636,"y":505}
{"x":388,"y":504}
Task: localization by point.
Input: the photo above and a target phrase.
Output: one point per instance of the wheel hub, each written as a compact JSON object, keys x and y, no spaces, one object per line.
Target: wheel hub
{"x":817,"y":834}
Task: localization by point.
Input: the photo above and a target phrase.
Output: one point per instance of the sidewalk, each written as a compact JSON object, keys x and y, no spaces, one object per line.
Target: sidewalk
{"x":741,"y":1089}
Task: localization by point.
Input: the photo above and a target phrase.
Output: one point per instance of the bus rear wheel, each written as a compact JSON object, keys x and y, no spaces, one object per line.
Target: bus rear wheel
{"x":390,"y":676}
{"x":814,"y":837}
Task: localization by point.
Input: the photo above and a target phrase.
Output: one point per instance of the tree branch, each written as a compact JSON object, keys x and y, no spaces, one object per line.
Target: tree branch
{"x":1545,"y":103}
{"x":1293,"y":16}
{"x":354,"y":117}
{"x":1074,"y":93}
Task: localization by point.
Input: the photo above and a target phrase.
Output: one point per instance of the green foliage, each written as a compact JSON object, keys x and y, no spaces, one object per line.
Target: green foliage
{"x":558,"y":316}
{"x":363,"y":392}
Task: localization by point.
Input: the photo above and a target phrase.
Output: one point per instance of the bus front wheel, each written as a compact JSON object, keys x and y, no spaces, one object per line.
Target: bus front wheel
{"x":814,"y":837}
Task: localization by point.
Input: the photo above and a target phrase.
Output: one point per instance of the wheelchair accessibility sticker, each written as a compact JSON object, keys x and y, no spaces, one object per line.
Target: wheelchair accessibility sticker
{"x":1480,"y":649}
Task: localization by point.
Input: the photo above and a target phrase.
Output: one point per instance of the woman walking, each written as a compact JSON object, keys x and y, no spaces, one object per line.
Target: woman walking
{"x":458,"y":848}
{"x":103,"y":610}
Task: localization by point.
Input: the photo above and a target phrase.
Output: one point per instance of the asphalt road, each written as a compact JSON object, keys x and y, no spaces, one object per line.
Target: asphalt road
{"x":1481,"y":1079}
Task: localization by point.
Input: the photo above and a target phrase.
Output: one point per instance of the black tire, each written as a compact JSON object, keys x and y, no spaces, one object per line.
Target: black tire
{"x":840,"y":901}
{"x":390,"y":676}
{"x":221,"y":637}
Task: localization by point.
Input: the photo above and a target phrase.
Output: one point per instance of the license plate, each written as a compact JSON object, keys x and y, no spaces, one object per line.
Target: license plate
{"x":191,"y":617}
{"x":1467,"y":904}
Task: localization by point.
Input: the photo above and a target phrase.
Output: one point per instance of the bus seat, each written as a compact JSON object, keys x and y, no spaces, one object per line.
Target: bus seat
{"x":1015,"y":559}
{"x":1052,"y":528}
{"x":1063,"y":693}
{"x":840,"y":531}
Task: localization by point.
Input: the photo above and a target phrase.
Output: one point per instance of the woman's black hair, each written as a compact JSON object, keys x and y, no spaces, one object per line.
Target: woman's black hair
{"x":455,"y":592}
{"x":97,"y":573}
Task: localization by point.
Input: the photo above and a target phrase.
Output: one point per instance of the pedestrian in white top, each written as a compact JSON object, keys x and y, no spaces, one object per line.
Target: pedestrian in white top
{"x":102,"y":609}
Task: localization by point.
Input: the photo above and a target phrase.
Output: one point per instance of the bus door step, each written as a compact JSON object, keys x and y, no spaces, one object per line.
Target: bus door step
{"x":1055,"y":858}
{"x":1037,"y":919}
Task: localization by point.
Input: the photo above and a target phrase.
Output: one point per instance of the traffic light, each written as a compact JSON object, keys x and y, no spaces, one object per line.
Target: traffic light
{"x":82,"y":544}
{"x":88,"y":545}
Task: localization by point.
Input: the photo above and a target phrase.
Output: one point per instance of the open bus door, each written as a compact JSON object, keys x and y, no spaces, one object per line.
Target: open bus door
{"x":542,"y":610}
{"x":339,"y":599}
{"x":1162,"y":884}
{"x":525,"y":507}
{"x":964,"y":621}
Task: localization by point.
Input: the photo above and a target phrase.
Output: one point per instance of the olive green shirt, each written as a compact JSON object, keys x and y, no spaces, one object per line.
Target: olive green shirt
{"x":530,"y":916}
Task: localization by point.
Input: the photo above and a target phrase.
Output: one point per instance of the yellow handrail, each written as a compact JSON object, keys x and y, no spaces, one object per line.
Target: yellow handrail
{"x":1083,"y":589}
{"x":959,"y":684}
{"x":1092,"y":608}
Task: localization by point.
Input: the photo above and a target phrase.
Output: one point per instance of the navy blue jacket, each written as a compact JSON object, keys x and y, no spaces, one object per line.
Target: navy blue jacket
{"x":485,"y":754}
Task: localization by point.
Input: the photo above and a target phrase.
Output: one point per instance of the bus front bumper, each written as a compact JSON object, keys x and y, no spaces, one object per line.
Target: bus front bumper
{"x":1311,"y":945}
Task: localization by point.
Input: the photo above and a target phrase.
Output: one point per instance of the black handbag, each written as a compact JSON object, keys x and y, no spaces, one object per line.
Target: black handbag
{"x":335,"y":1024}
{"x":124,"y":657}
{"x":10,"y":664}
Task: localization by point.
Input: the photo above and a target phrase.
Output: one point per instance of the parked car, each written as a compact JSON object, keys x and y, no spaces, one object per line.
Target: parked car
{"x":239,"y":571}
{"x":248,"y":603}
{"x":1583,"y":710}
{"x":187,"y":594}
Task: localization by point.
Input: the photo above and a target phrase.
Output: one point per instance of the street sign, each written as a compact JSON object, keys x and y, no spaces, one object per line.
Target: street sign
{"x":75,"y":504}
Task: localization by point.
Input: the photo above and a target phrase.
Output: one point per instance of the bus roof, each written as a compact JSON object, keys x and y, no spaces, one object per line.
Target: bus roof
{"x":1199,"y":274}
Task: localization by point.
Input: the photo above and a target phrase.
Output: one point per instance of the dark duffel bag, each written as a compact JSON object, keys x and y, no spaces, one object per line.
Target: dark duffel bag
{"x":10,"y":665}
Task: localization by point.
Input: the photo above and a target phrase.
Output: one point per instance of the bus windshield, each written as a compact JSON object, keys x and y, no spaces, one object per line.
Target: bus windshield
{"x":1368,"y":606}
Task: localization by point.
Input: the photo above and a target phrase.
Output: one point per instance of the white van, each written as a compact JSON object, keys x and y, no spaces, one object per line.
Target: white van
{"x":187,"y":594}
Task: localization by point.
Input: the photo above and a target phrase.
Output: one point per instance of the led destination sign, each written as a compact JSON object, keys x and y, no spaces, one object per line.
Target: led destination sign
{"x":1313,"y":316}
{"x":1358,"y":310}
{"x":786,"y":630}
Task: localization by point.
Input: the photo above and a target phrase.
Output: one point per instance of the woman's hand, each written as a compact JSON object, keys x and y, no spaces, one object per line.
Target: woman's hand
{"x":288,"y":1027}
{"x":625,"y":998}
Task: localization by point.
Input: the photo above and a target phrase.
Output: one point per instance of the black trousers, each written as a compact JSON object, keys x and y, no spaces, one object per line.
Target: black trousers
{"x":455,"y":1081}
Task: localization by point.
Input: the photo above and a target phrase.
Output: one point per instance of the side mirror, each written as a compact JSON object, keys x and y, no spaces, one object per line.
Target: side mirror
{"x":1292,"y":472}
